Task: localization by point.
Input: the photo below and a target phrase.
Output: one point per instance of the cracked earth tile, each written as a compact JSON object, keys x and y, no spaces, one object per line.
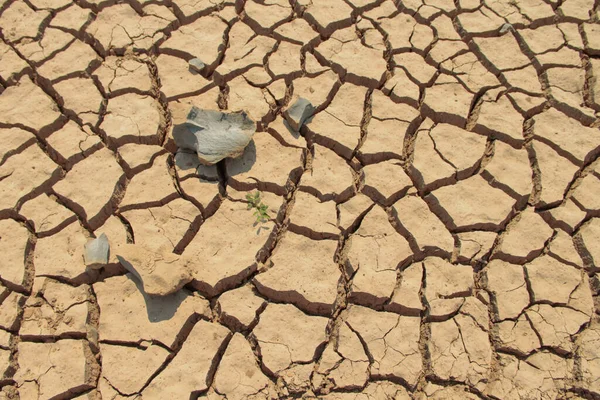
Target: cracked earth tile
{"x":589,"y":353}
{"x":556,"y":172}
{"x":476,"y":243}
{"x":473,"y":202}
{"x":358,"y":64}
{"x":161,"y":228}
{"x":592,"y":33}
{"x":238,"y":308}
{"x":226,"y":247}
{"x":285,"y":61}
{"x":121,"y":74}
{"x":175,"y":77}
{"x":329,"y":16}
{"x":55,"y":309}
{"x":415,"y":66}
{"x":567,"y":134}
{"x":91,"y":184}
{"x":373,"y":390}
{"x":73,"y":18}
{"x":525,"y":79}
{"x":269,"y":13}
{"x":199,"y":183}
{"x":132,"y":118}
{"x":36,"y":51}
{"x":202,"y":38}
{"x":556,"y":326}
{"x":50,"y":4}
{"x":330,"y":178}
{"x":72,"y":141}
{"x":374,"y":252}
{"x":59,"y":369}
{"x":120,"y":26}
{"x":10,"y":311}
{"x":238,"y":375}
{"x":392,"y":342}
{"x":427,"y":165}
{"x":567,"y":86}
{"x":189,"y":370}
{"x":385,"y":182}
{"x":75,"y":58}
{"x":448,"y":100}
{"x":384,"y":140}
{"x":247,"y":98}
{"x":589,"y":234}
{"x":526,"y":235}
{"x":313,"y":218}
{"x":507,"y":285}
{"x":190,"y":9}
{"x":540,"y":376}
{"x":129,"y":315}
{"x":568,"y":215}
{"x":283,"y":132}
{"x":400,"y":88}
{"x":447,"y":286}
{"x":350,"y":210}
{"x":553,"y":281}
{"x":23,"y":173}
{"x":518,"y":336}
{"x":500,"y":117}
{"x":61,"y":255}
{"x":424,"y":226}
{"x":584,"y":193}
{"x":406,"y":299}
{"x":445,"y":49}
{"x":460,"y":348}
{"x":266,"y":165}
{"x":316,"y":90}
{"x":20,"y":21}
{"x":298,"y":31}
{"x":12,"y":65}
{"x":343,"y":365}
{"x":17,"y":102}
{"x":563,"y":247}
{"x":310,"y":282}
{"x":13,"y":245}
{"x":471,"y":72}
{"x":338,"y":127}
{"x":137,"y":157}
{"x":128,"y":368}
{"x":511,"y":169}
{"x":503,"y":52}
{"x":458,"y":147}
{"x":285,"y":335}
{"x":578,"y":9}
{"x":440,"y":392}
{"x":82,"y":97}
{"x":246,"y":49}
{"x":384,"y":108}
{"x":480,"y":21}
{"x":150,"y":186}
{"x":404,"y":33}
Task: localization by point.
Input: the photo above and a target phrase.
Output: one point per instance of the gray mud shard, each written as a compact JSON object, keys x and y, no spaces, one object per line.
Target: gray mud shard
{"x":298,"y":113}
{"x":96,"y":252}
{"x":214,"y":135}
{"x":196,"y":65}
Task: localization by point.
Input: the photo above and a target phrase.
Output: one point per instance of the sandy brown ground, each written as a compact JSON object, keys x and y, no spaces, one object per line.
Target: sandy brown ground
{"x":435,"y":228}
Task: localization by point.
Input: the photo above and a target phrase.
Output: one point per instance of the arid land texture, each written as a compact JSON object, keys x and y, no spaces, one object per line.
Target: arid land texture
{"x":434,"y":229}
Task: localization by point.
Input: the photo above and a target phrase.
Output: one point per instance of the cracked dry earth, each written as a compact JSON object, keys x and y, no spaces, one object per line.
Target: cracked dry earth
{"x":434,"y":228}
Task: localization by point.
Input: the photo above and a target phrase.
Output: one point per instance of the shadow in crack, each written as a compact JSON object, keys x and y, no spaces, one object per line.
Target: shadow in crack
{"x":160,"y":308}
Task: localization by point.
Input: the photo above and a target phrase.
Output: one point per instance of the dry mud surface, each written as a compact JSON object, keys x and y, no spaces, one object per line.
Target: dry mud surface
{"x":434,"y":229}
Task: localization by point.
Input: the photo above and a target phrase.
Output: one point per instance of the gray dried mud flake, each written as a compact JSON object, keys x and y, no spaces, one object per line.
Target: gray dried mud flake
{"x":214,"y":135}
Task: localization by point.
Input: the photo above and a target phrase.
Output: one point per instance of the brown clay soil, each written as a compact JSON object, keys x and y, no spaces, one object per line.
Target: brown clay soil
{"x":434,"y":228}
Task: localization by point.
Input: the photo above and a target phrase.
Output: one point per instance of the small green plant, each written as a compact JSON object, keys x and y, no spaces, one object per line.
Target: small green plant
{"x":260,"y":209}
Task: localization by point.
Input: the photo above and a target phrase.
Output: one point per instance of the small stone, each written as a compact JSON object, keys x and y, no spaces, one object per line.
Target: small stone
{"x":160,"y":273}
{"x":214,"y":135}
{"x":196,"y":65}
{"x":505,"y":28}
{"x":298,"y":113}
{"x":96,"y":252}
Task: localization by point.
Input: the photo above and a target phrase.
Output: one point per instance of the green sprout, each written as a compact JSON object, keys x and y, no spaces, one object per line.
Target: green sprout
{"x":260,"y":209}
